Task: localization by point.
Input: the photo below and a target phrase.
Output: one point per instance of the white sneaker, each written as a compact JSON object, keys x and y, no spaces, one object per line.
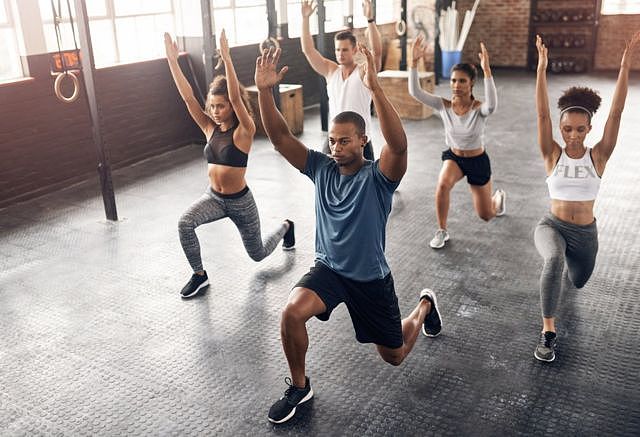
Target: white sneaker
{"x":502,"y":208}
{"x":439,"y":239}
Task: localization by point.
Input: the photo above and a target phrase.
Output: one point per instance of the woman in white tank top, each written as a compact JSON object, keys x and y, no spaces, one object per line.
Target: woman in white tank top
{"x":567,"y":237}
{"x":464,"y":120}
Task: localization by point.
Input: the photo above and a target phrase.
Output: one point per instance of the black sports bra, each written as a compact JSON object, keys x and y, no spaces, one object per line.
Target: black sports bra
{"x":221,"y":150}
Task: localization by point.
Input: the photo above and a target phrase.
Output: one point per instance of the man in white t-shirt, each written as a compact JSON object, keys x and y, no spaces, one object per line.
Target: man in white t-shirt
{"x":344,"y":79}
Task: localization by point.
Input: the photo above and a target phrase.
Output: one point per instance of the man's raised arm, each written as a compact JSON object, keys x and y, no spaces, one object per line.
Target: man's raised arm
{"x":275,"y":126}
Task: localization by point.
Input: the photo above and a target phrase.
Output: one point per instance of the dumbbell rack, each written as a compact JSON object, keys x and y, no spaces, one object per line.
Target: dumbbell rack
{"x":569,"y":30}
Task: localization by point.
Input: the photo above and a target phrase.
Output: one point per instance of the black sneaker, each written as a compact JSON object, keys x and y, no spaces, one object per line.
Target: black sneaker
{"x":195,"y":284}
{"x":433,"y":322}
{"x":289,"y":239}
{"x":285,"y":408}
{"x":545,"y":351}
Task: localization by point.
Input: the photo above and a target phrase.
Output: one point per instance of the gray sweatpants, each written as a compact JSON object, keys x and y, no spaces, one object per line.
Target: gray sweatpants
{"x":558,"y":241}
{"x":241,"y":210}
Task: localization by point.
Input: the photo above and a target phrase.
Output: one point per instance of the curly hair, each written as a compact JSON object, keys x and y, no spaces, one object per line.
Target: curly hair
{"x":219,"y":87}
{"x":581,"y":97}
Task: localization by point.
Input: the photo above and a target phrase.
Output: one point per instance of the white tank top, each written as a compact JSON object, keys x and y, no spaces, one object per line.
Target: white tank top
{"x":349,"y":95}
{"x":574,"y":179}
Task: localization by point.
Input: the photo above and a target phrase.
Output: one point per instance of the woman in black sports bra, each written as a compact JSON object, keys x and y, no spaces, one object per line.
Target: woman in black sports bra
{"x":229,"y":128}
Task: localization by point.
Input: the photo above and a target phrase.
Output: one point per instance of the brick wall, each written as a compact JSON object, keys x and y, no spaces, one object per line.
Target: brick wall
{"x":46,"y":144}
{"x":503,"y":25}
{"x":612,"y":32}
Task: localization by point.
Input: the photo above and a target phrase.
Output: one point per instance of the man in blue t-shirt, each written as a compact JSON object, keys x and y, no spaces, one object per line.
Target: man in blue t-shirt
{"x":353,"y":201}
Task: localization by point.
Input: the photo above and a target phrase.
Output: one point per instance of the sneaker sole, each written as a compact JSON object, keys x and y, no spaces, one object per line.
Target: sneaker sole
{"x":543,"y":359}
{"x":442,"y":245}
{"x":504,"y":204}
{"x":293,"y":412}
{"x":435,"y":304}
{"x":200,"y":287}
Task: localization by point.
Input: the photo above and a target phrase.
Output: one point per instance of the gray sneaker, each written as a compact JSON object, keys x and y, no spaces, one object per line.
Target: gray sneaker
{"x":545,"y":351}
{"x":439,"y":239}
{"x":502,"y":207}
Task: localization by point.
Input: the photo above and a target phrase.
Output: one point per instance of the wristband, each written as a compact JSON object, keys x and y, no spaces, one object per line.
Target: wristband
{"x":371,"y":20}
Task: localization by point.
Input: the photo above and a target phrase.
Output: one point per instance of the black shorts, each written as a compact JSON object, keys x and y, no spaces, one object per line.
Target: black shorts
{"x":372,"y":305}
{"x":477,"y":169}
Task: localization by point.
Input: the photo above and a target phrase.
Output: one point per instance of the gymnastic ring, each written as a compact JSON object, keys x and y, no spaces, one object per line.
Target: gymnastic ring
{"x":401,"y":27}
{"x":273,"y":42}
{"x":57,"y":87}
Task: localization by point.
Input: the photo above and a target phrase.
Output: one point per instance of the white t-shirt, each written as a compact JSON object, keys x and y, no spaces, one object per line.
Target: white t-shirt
{"x":349,"y":95}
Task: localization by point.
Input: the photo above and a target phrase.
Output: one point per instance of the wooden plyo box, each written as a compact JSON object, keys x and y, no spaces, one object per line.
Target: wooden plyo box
{"x":396,"y":86}
{"x":290,"y":106}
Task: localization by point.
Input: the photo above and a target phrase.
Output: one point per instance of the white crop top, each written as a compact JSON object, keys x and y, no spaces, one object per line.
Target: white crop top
{"x":464,"y":132}
{"x":574,"y":179}
{"x":349,"y":94}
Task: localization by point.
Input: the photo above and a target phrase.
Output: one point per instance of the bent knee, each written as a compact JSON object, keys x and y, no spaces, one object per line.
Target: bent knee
{"x":394,"y":358}
{"x":394,"y":361}
{"x":292,"y":314}
{"x":443,"y":187}
{"x":579,"y":282}
{"x":256,"y":256}
{"x":187,"y":220}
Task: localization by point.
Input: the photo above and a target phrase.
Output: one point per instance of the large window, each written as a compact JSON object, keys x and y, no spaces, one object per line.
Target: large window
{"x":613,"y":7}
{"x":10,"y":66}
{"x":121,"y":30}
{"x":295,"y":19}
{"x":334,"y":17}
{"x":385,"y":12}
{"x":244,"y":21}
{"x":335,"y":11}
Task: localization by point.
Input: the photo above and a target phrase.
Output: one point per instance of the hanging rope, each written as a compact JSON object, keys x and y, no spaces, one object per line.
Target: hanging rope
{"x":57,"y":85}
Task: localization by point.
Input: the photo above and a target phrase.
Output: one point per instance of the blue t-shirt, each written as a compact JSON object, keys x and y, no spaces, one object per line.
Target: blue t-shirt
{"x":351,"y":217}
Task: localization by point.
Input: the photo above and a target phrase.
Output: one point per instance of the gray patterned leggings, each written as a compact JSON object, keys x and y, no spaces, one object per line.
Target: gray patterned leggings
{"x":241,"y":209}
{"x":557,"y":241}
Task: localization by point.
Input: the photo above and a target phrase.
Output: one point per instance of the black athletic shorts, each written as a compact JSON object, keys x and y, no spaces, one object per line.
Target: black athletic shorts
{"x":373,"y":305}
{"x":477,"y":169}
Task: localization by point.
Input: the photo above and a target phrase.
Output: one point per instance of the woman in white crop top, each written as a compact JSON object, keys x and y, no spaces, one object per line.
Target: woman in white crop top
{"x":567,"y":237}
{"x":464,"y":120}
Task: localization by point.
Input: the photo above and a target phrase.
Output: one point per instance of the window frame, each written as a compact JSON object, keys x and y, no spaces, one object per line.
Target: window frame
{"x":10,"y":24}
{"x":234,"y":8}
{"x":110,"y":15}
{"x":623,"y":7}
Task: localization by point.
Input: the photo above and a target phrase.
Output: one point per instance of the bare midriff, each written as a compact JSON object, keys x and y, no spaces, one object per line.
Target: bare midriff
{"x":468,"y":153}
{"x":576,"y":212}
{"x":225,"y":179}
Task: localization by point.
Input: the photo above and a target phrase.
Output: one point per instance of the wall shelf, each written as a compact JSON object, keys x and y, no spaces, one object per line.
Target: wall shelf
{"x":569,"y":31}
